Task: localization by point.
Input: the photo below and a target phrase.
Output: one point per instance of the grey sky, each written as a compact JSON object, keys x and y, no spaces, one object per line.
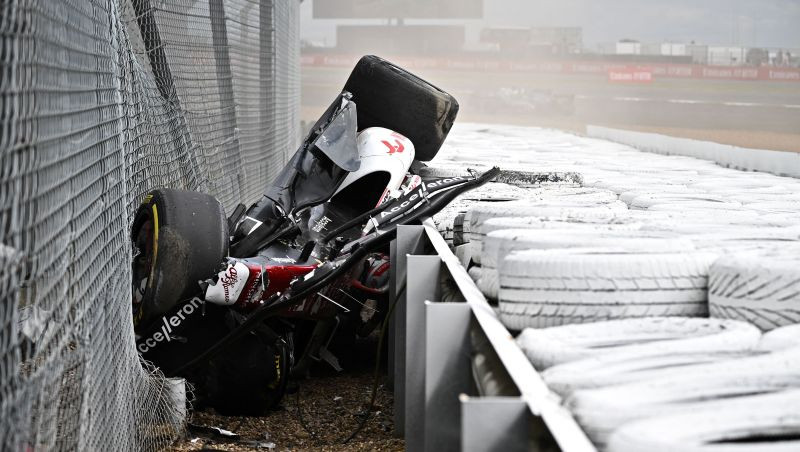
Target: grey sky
{"x":767,"y":23}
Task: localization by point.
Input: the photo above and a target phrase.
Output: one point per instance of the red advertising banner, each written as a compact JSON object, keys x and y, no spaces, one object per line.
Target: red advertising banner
{"x":615,"y":72}
{"x":630,"y":75}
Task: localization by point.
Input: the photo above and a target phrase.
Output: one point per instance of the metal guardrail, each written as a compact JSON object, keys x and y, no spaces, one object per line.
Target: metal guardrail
{"x":431,"y":349}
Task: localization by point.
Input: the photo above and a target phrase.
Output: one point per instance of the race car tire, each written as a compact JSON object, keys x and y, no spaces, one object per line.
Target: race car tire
{"x":760,"y":287}
{"x":391,"y":97}
{"x":556,"y":287}
{"x":601,"y":410}
{"x":249,"y":378}
{"x":182,"y":238}
{"x":547,"y":347}
{"x":763,"y":423}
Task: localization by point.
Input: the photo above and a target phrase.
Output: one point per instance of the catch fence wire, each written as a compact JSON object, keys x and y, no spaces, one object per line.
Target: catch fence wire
{"x":100,"y":102}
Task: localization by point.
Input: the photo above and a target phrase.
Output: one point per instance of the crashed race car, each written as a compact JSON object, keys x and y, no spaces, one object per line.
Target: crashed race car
{"x":235,"y":304}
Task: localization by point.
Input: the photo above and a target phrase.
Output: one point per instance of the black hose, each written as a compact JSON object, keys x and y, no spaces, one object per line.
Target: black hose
{"x":376,"y":375}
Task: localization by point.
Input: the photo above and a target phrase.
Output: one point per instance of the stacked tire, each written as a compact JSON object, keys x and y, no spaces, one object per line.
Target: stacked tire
{"x":660,"y":300}
{"x":557,"y":287}
{"x":622,"y":378}
{"x":762,"y":288}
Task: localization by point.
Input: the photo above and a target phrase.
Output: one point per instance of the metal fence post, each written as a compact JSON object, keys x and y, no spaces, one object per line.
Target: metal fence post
{"x":447,"y":373}
{"x":422,"y":284}
{"x":410,"y":240}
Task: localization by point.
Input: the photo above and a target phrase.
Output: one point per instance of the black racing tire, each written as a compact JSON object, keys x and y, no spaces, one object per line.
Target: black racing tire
{"x":180,"y":238}
{"x":391,"y":97}
{"x":249,"y":378}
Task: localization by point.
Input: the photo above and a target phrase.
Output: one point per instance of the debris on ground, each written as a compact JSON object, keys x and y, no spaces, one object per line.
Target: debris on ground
{"x":331,"y":406}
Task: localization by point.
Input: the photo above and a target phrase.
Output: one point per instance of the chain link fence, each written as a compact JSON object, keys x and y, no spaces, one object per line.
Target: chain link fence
{"x":100,"y":102}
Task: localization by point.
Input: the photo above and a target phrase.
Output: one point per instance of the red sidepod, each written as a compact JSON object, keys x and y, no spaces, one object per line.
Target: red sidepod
{"x":278,"y":278}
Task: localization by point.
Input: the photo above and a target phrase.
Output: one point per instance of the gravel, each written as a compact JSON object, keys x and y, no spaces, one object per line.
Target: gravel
{"x":330,"y":405}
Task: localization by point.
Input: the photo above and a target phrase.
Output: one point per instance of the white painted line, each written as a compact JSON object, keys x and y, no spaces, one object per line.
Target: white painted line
{"x":686,"y":101}
{"x":634,"y":99}
{"x":744,"y":104}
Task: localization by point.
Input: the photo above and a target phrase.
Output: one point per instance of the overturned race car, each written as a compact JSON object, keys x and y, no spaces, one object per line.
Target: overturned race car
{"x":236,"y":303}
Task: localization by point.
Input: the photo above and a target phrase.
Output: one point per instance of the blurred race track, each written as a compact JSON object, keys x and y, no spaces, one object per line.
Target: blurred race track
{"x":754,"y":114}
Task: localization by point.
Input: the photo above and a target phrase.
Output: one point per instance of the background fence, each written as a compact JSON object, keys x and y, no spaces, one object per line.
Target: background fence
{"x":101,"y":101}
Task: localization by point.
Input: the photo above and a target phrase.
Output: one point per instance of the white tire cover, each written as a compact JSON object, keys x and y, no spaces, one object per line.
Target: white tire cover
{"x":449,"y":221}
{"x":647,"y":200}
{"x":780,"y":338}
{"x":747,"y":198}
{"x":499,"y":244}
{"x":556,"y":287}
{"x":645,"y":190}
{"x":652,"y":168}
{"x":562,"y":209}
{"x":721,"y":208}
{"x":693,"y":215}
{"x":631,"y":185}
{"x":618,"y":368}
{"x":776,"y":206}
{"x":582,"y":195}
{"x":546,"y":347}
{"x":731,"y":183}
{"x":744,"y":246}
{"x":601,"y":410}
{"x":444,"y":223}
{"x":462,"y":252}
{"x":741,"y":232}
{"x":781,"y":219}
{"x":771,"y":420}
{"x":589,"y":223}
{"x":475,"y":272}
{"x":762,"y":288}
{"x":740,"y":239}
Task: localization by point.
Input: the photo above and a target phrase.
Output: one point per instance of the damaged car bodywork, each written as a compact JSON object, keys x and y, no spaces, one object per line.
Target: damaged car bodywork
{"x":236,"y":303}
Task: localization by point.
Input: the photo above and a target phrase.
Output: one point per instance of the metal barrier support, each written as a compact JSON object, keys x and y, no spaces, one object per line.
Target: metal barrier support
{"x":447,"y":372}
{"x":436,"y":408}
{"x":422,"y":284}
{"x":496,"y":424}
{"x":410,"y":240}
